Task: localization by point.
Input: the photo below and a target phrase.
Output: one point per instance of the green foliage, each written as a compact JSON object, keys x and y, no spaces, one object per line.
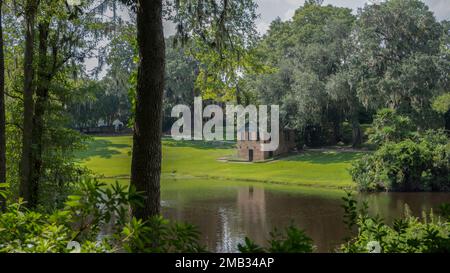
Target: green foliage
{"x":441,"y":104}
{"x":80,"y":221}
{"x":347,"y":133}
{"x":444,"y":211}
{"x":409,"y":234}
{"x":409,"y":165}
{"x":94,"y":212}
{"x":404,"y":161}
{"x":60,"y":172}
{"x":350,"y":212}
{"x":28,"y":231}
{"x":105,"y":100}
{"x":221,"y":36}
{"x":72,"y":33}
{"x":3,"y":190}
{"x":158,"y":235}
{"x":398,"y":59}
{"x":388,"y":126}
{"x":95,"y":206}
{"x":309,"y":76}
{"x":181,"y":73}
{"x":291,"y":240}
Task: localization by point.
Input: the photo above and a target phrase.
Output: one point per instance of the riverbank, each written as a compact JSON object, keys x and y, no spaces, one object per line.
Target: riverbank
{"x":110,"y":157}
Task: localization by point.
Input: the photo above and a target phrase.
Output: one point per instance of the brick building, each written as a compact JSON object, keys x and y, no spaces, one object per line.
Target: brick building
{"x":250,"y":150}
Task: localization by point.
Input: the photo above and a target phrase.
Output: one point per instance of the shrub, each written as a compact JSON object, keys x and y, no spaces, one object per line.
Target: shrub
{"x":22,"y":231}
{"x":80,"y":222}
{"x":388,"y":126}
{"x":441,"y":104}
{"x":405,"y":160}
{"x":159,"y":235}
{"x":292,"y":240}
{"x":405,"y":166}
{"x":95,"y":211}
{"x":406,"y":235}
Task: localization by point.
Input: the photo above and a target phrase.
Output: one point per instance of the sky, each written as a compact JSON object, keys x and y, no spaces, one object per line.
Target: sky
{"x":269,"y":10}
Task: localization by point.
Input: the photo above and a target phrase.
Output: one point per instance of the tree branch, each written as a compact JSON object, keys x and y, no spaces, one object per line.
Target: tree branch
{"x":13,"y":96}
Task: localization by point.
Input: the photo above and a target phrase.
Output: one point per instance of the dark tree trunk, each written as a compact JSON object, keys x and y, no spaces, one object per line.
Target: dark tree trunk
{"x":146,"y":161}
{"x":337,"y":131}
{"x":43,"y":82}
{"x":27,"y":190}
{"x":2,"y":111}
{"x":356,"y":131}
{"x":238,"y":95}
{"x":447,"y":121}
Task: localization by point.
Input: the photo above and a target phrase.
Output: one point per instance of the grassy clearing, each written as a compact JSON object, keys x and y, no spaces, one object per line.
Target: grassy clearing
{"x":193,"y":188}
{"x":110,"y":157}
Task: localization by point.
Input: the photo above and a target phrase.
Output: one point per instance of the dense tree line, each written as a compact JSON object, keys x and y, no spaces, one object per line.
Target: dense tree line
{"x":45,"y":46}
{"x":48,"y":89}
{"x":330,"y":70}
{"x":2,"y":112}
{"x":331,"y":66}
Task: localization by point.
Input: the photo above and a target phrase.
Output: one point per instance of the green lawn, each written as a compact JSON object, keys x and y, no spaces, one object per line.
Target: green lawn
{"x":110,"y":157}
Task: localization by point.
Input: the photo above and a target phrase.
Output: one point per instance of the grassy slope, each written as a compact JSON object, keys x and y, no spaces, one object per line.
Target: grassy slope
{"x":110,"y":156}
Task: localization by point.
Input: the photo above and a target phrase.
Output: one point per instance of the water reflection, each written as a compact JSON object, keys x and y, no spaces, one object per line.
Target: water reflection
{"x":226,"y":214}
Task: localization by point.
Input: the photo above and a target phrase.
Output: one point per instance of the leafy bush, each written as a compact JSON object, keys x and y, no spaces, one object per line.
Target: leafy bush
{"x":441,"y":104}
{"x":406,"y":235}
{"x":60,"y":172}
{"x":388,"y":126}
{"x":405,"y":160}
{"x":22,"y":230}
{"x":94,"y":212}
{"x":81,"y":221}
{"x":293,"y":240}
{"x":159,"y":235}
{"x":405,"y":166}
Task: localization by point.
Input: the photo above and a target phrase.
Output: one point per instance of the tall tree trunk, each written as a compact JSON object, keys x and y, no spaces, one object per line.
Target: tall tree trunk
{"x":2,"y":111}
{"x":356,"y":130}
{"x":447,"y":121}
{"x":42,"y":89}
{"x":337,"y":130}
{"x":238,"y":95}
{"x":27,"y":189}
{"x":146,"y":160}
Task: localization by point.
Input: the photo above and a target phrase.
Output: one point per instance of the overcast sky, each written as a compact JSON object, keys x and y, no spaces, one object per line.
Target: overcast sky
{"x":271,"y":9}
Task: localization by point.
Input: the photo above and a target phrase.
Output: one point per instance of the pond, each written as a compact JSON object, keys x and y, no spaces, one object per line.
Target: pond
{"x":227,"y":211}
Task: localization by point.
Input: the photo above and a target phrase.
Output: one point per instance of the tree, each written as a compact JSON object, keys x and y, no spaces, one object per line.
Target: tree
{"x":62,"y":46}
{"x":181,"y":73}
{"x":341,"y":88}
{"x":146,"y":161}
{"x":221,"y":35}
{"x":441,"y":105}
{"x":305,"y":54}
{"x":58,"y":38}
{"x":211,"y":23}
{"x":28,"y":190}
{"x":397,"y":58}
{"x":2,"y":110}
